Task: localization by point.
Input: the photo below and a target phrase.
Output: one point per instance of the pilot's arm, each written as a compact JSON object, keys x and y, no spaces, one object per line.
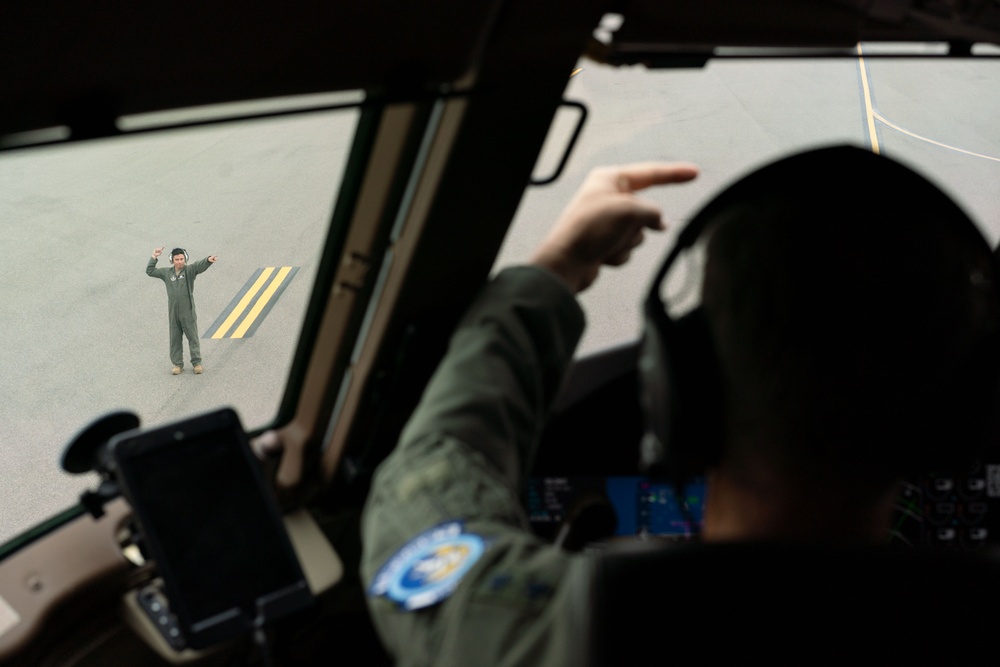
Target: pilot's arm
{"x":454,"y":575}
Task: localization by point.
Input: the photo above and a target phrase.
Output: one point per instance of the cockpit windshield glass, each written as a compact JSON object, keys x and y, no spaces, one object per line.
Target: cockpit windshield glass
{"x":936,"y":114}
{"x":94,"y":322}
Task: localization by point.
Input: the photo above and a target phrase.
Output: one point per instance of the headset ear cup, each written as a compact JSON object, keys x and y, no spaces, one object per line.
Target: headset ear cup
{"x":701,"y":422}
{"x":655,"y":392}
{"x":681,"y":395}
{"x":973,"y":429}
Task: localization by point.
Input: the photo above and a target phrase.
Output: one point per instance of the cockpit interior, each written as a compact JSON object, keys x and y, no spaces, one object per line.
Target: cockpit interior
{"x":359,"y":171}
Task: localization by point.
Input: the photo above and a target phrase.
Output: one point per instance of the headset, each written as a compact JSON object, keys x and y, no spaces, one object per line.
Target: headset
{"x":179,"y":251}
{"x":681,"y":386}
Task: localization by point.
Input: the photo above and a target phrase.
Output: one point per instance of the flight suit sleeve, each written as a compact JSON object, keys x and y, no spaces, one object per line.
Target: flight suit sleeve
{"x":200,"y":266}
{"x":461,"y":459}
{"x":151,"y":268}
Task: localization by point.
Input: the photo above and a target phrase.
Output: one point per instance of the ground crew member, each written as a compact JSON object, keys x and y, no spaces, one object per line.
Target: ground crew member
{"x":181,"y":315}
{"x":817,"y":304}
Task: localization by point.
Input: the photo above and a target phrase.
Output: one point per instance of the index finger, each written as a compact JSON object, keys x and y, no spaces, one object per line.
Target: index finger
{"x":641,"y":175}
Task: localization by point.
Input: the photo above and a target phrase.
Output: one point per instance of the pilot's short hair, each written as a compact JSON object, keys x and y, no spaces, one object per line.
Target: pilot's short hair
{"x":852,"y":307}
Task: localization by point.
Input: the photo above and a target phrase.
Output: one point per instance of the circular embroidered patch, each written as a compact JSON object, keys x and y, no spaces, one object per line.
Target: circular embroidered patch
{"x":427,"y":569}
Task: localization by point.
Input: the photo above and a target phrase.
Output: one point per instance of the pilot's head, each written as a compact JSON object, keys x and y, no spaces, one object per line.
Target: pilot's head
{"x":852,"y":308}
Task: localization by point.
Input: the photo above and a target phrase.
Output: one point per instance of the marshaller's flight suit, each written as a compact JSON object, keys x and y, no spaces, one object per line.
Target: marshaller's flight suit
{"x":459,"y":463}
{"x":181,"y":315}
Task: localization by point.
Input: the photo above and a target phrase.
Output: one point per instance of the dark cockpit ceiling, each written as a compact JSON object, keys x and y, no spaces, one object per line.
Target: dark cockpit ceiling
{"x":88,"y":64}
{"x":83,"y":66}
{"x":670,"y":28}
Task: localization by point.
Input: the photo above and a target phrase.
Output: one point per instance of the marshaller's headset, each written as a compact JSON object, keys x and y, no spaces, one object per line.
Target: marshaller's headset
{"x":179,"y":251}
{"x":681,"y":389}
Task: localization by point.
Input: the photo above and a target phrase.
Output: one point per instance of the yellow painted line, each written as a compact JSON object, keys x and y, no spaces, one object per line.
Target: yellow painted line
{"x":873,"y":115}
{"x":244,"y":302}
{"x":882,"y":119}
{"x":869,"y":111}
{"x":262,"y":301}
{"x":576,"y":71}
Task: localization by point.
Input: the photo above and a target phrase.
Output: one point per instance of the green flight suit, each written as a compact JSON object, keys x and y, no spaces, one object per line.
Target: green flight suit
{"x":181,"y":315}
{"x":462,"y":456}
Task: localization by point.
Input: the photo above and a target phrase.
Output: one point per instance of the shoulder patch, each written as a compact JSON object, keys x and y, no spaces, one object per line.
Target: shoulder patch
{"x":427,"y":569}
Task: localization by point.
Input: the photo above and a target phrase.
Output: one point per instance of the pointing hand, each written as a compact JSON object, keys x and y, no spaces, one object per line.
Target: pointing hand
{"x":605,"y":221}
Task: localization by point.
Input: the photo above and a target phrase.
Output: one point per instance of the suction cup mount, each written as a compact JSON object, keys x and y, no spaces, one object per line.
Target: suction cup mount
{"x":88,"y":451}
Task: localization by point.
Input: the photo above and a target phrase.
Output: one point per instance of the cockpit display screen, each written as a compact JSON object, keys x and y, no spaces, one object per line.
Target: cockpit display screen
{"x":950,"y":510}
{"x":640,"y":506}
{"x":953,"y":510}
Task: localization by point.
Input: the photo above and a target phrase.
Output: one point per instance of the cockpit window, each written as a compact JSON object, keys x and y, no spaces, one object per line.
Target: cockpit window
{"x":937,"y":115}
{"x":87,"y":331}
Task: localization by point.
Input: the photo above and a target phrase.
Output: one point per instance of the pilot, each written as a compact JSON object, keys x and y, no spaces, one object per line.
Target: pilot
{"x":846,"y":299}
{"x":181,"y":315}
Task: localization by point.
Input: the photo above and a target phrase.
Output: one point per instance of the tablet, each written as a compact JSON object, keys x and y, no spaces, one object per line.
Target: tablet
{"x":211,"y":525}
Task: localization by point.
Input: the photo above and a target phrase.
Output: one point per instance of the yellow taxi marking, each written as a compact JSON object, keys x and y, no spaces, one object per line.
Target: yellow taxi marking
{"x":869,"y":112}
{"x":873,"y":115}
{"x":262,"y":301}
{"x":244,"y":302}
{"x":576,"y":71}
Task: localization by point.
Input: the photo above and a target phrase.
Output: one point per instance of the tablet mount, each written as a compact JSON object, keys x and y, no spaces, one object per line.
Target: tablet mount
{"x":89,"y":451}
